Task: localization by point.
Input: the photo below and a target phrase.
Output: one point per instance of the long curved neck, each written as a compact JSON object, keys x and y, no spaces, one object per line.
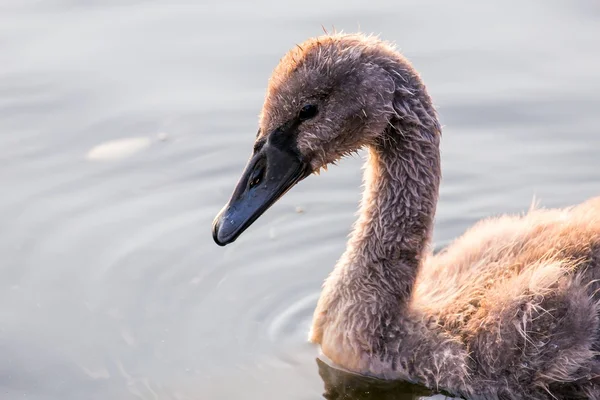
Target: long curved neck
{"x":397,"y":209}
{"x":365,"y":299}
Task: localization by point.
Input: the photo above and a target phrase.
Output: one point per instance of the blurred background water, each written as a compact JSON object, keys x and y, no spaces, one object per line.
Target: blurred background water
{"x":124,"y":125}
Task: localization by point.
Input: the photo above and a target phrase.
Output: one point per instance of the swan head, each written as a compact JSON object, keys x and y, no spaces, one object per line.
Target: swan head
{"x":327,"y":98}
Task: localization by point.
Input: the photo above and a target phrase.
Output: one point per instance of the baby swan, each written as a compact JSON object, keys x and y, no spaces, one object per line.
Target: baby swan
{"x":508,"y":311}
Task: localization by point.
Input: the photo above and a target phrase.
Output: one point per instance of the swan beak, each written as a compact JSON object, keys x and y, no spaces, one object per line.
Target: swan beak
{"x":269,"y":174}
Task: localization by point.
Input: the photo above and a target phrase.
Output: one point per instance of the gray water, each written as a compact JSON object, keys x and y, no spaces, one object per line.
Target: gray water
{"x":110,"y":284}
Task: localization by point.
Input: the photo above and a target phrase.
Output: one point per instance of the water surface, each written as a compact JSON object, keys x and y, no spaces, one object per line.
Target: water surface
{"x":124,"y":126}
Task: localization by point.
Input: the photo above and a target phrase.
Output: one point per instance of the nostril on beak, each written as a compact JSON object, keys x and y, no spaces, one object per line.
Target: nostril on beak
{"x":257,"y":176}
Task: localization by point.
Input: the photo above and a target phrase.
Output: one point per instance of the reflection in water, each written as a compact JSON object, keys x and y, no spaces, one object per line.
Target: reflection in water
{"x":342,"y":385}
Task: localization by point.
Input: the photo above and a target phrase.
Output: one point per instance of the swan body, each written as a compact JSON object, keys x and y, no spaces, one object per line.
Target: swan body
{"x":508,"y":311}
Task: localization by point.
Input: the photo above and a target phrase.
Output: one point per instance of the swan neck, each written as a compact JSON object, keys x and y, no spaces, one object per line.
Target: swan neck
{"x":393,"y":231}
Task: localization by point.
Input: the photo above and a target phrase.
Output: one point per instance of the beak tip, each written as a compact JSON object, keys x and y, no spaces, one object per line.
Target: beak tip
{"x":221,"y":236}
{"x":215,"y":231}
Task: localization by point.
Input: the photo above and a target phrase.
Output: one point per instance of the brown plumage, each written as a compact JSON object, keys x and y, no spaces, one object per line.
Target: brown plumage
{"x":508,"y":311}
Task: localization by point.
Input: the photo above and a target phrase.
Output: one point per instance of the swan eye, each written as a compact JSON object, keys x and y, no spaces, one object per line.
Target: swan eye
{"x":307,"y":112}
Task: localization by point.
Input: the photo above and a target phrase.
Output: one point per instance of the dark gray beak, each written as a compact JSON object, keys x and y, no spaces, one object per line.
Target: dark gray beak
{"x":269,"y":174}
